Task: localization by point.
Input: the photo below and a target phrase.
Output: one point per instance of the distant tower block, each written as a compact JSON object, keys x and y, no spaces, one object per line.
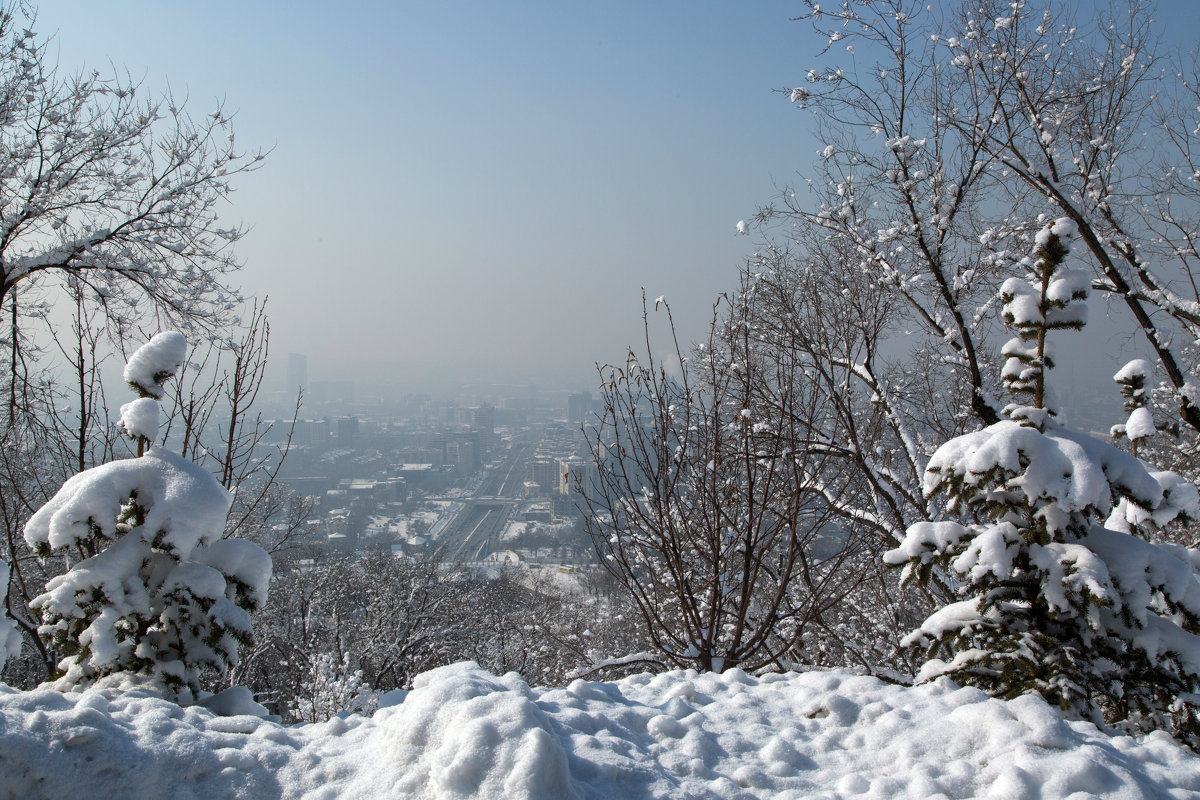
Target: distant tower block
{"x":579,"y":408}
{"x":297,"y":372}
{"x":483,"y":420}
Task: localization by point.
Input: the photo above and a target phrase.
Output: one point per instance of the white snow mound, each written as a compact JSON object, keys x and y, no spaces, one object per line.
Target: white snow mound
{"x":463,"y":732}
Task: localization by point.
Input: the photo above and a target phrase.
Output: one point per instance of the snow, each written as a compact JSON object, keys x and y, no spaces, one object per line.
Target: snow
{"x":463,"y":732}
{"x":139,"y":418}
{"x":1076,"y":470}
{"x":1137,"y":368}
{"x":1140,"y":424}
{"x":185,"y":504}
{"x":155,"y":361}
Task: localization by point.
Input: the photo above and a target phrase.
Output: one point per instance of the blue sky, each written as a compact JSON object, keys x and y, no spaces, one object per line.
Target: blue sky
{"x":459,"y":183}
{"x":466,"y":183}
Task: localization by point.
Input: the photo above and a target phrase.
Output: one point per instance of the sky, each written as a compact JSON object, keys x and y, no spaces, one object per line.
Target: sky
{"x":477,"y":192}
{"x":452,"y":185}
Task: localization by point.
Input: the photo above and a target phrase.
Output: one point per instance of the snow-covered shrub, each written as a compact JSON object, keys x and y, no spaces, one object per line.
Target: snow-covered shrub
{"x":155,"y":592}
{"x":330,"y":688}
{"x":1061,"y":591}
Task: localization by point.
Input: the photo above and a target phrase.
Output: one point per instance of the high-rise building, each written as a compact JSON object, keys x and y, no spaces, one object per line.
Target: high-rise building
{"x":579,"y":408}
{"x":483,"y":421}
{"x":297,"y":372}
{"x":347,"y":429}
{"x":544,"y":472}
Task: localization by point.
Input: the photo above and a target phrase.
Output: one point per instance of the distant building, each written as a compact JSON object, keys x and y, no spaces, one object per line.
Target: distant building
{"x":311,"y":432}
{"x":577,"y":472}
{"x":483,"y":421}
{"x":347,"y":429}
{"x":297,"y":372}
{"x":460,"y":449}
{"x":579,"y":408}
{"x":544,"y":472}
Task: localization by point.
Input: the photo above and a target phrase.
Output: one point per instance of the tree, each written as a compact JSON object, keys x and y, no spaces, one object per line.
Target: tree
{"x":331,"y":688}
{"x":339,"y":624}
{"x":155,"y":592}
{"x":945,"y":131}
{"x":10,"y":637}
{"x":110,"y":190}
{"x":1060,"y":590}
{"x":110,"y":204}
{"x":876,"y":412}
{"x":708,"y":507}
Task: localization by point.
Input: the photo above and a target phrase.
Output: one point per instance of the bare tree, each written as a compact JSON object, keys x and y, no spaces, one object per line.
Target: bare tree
{"x":214,"y":420}
{"x":949,"y":132}
{"x":119,"y":190}
{"x":708,"y":505}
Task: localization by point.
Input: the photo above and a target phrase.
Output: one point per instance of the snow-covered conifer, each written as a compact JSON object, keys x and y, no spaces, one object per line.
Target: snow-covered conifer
{"x":155,"y":591}
{"x":1139,"y":426}
{"x":1061,"y":591}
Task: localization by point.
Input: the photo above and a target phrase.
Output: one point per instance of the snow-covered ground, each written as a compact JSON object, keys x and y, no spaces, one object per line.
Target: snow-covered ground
{"x":463,"y":732}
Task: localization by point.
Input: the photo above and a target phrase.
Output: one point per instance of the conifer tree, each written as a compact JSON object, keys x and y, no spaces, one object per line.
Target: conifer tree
{"x":1061,"y":591}
{"x":1139,"y":426}
{"x":155,"y":591}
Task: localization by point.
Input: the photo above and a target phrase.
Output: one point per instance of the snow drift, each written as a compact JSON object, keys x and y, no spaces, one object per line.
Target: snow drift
{"x":463,"y":732}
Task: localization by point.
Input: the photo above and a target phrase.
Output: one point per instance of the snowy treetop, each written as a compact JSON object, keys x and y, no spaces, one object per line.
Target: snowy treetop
{"x":139,"y":418}
{"x":186,"y":506}
{"x":155,"y":361}
{"x":1063,"y":227}
{"x":1137,"y":368}
{"x":1075,"y":471}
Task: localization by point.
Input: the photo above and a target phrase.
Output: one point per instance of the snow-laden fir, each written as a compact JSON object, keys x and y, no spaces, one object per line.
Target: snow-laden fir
{"x":1062,"y":588}
{"x":153,"y":589}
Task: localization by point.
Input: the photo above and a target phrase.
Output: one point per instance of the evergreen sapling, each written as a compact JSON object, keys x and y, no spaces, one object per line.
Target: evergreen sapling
{"x":1061,"y":590}
{"x":154,"y":592}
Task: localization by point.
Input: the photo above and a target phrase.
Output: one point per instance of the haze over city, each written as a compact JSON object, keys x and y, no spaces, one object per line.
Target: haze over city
{"x":478,"y":187}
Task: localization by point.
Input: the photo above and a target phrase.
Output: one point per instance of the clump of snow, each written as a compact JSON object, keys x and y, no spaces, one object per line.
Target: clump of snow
{"x":463,"y":733}
{"x":139,"y":418}
{"x":1073,"y":470}
{"x":1140,"y":424}
{"x":236,"y":701}
{"x":186,"y":507}
{"x":154,"y":362}
{"x":1137,"y":368}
